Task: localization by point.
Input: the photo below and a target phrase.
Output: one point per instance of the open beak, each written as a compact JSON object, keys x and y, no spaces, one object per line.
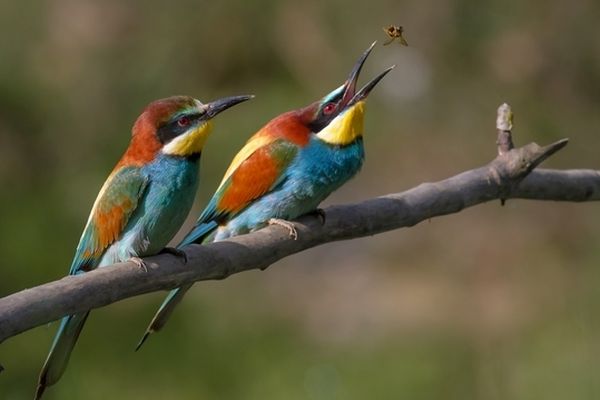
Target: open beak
{"x":350,"y":84}
{"x":215,"y":107}
{"x":352,"y":97}
{"x":365,"y":90}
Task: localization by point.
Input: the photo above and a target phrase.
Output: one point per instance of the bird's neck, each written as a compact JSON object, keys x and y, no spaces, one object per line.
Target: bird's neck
{"x":189,"y":144}
{"x":288,"y":126}
{"x":144,"y":145}
{"x":345,"y":128}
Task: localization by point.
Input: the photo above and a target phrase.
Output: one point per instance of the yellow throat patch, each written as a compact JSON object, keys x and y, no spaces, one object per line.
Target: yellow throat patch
{"x":189,"y":143}
{"x":345,"y":128}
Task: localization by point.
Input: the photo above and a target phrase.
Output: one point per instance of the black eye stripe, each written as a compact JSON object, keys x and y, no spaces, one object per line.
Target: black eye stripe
{"x":171,"y":129}
{"x":322,"y":119}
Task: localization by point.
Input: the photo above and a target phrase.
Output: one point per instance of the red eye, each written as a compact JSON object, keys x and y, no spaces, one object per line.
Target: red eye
{"x":183,"y":121}
{"x":329,"y":108}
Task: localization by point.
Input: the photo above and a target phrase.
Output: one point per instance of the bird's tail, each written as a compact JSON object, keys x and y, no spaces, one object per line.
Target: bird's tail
{"x":164,"y":312}
{"x":58,"y":358}
{"x":196,"y":235}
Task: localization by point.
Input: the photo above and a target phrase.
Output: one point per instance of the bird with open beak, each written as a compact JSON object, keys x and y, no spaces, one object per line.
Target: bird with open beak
{"x":285,"y":170}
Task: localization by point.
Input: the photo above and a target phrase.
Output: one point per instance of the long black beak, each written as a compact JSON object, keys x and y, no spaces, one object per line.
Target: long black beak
{"x":215,"y":107}
{"x":365,"y":90}
{"x":350,"y":85}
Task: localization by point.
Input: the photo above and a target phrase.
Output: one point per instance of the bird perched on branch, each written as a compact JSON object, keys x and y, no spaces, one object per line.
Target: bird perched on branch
{"x":142,"y":204}
{"x":284,"y":171}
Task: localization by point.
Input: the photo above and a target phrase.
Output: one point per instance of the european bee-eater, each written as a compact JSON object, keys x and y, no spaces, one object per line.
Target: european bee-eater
{"x":142,"y":204}
{"x":284,"y":171}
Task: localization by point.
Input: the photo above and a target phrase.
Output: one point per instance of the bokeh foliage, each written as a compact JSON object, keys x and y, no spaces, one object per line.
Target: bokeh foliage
{"x":493,"y":303}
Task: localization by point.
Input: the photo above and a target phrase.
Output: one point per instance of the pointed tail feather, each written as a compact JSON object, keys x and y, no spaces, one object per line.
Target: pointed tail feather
{"x":58,"y":358}
{"x":197,"y":235}
{"x":164,"y":312}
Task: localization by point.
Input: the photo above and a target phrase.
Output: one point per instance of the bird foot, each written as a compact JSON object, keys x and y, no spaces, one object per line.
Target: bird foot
{"x":140,"y":263}
{"x":287,"y":225}
{"x":320,"y":213}
{"x":176,"y":252}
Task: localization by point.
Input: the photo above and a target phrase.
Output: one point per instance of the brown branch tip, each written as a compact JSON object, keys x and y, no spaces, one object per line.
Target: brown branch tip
{"x":504,"y":125}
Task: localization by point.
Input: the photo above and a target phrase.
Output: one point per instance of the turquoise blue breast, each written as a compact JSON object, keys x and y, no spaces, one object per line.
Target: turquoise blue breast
{"x":173,"y":182}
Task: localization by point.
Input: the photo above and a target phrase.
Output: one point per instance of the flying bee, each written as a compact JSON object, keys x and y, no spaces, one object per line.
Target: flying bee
{"x":395,"y":32}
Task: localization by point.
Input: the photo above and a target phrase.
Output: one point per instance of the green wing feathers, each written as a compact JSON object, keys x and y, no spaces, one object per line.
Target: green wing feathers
{"x":114,"y":205}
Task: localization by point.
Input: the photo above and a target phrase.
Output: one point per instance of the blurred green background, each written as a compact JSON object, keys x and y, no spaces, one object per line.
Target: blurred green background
{"x":492,"y":303}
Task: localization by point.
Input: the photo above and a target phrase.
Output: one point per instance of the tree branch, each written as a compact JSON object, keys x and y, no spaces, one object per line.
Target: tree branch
{"x":510,"y":176}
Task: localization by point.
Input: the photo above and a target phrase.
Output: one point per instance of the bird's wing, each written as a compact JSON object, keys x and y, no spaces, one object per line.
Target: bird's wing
{"x":255,"y":171}
{"x":257,"y":174}
{"x":114,"y":205}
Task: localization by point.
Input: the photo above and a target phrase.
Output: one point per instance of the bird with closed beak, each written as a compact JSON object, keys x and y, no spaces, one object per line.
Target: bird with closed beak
{"x":143,"y":202}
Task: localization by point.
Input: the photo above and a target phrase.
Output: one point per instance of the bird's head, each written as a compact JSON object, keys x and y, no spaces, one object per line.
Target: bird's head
{"x":176,"y":126}
{"x":338,"y":117}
